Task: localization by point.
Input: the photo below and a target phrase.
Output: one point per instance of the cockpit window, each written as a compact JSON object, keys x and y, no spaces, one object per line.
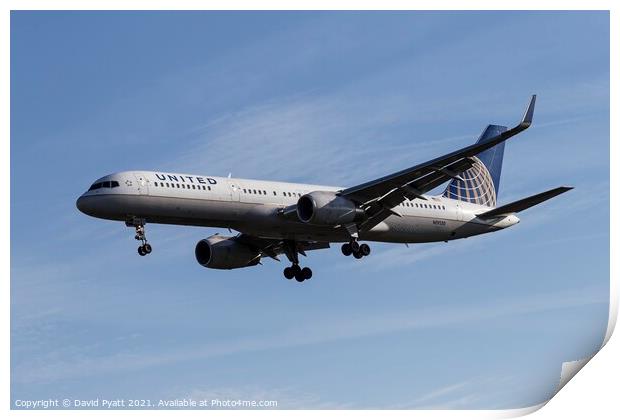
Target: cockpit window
{"x":105,"y":184}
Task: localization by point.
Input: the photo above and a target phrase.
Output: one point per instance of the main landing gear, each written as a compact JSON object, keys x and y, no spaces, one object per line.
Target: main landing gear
{"x":145,"y":248}
{"x":295,"y":271}
{"x":356,"y":249}
{"x":300,"y":274}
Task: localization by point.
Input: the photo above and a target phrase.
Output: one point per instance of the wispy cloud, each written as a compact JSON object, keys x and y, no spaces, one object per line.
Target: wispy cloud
{"x":66,"y":364}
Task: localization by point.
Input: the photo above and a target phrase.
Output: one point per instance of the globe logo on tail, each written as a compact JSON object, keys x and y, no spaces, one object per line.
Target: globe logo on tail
{"x":475,"y":187}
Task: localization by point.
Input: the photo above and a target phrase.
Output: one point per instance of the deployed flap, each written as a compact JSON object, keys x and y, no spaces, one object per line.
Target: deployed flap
{"x":273,"y":247}
{"x":524,"y":203}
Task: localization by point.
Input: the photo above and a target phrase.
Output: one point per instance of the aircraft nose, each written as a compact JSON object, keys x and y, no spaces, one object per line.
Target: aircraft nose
{"x":82,"y":205}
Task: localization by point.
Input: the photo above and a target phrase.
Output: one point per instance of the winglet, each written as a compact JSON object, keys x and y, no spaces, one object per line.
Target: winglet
{"x":529,"y":113}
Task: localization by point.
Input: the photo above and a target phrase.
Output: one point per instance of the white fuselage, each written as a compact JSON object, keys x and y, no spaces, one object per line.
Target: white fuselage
{"x":255,"y":207}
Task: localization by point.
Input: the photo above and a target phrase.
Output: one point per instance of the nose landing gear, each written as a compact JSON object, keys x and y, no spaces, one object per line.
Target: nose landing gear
{"x":356,"y":249}
{"x":145,"y":248}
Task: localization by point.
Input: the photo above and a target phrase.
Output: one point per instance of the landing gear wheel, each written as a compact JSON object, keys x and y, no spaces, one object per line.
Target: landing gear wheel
{"x":289,"y":273}
{"x":292,"y":271}
{"x":355,"y":246}
{"x":296,"y":269}
{"x":306,"y":273}
{"x":138,"y":223}
{"x":358,"y":255}
{"x":299,"y":277}
{"x":364,"y":250}
{"x":346,"y":249}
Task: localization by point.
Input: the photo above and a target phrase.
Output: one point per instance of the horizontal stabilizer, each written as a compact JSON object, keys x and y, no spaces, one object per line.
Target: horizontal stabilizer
{"x":524,"y":203}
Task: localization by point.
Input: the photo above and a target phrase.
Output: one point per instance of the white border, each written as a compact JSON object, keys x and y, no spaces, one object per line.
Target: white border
{"x":592,"y":393}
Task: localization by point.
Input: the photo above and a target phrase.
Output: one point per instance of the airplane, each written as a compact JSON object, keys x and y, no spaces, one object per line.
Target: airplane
{"x":281,"y":218}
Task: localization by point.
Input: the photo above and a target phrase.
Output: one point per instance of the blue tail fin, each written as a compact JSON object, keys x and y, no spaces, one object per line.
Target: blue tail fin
{"x":480,"y":183}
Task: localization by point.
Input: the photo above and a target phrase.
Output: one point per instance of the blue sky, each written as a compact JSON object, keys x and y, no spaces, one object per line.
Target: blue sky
{"x":325,"y":98}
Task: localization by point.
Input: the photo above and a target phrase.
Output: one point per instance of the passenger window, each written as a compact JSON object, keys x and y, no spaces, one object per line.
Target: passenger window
{"x":167,"y":185}
{"x":209,"y":187}
{"x":155,"y":183}
{"x":178,"y":186}
{"x":274,"y":193}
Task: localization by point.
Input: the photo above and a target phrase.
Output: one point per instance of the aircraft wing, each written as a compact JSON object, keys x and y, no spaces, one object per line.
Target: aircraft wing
{"x":378,"y":197}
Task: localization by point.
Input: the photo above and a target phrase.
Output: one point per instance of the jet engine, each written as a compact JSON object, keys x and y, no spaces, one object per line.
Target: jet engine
{"x":327,"y":208}
{"x":224,"y":252}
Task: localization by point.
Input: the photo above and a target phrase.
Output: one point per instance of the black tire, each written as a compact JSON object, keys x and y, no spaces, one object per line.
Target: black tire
{"x":365,"y":249}
{"x":141,"y":251}
{"x":355,"y":246}
{"x":299,"y":277}
{"x":147,"y":248}
{"x":288,"y":273}
{"x":357,"y":255}
{"x":346,"y":249}
{"x":306,"y":273}
{"x":296,"y":270}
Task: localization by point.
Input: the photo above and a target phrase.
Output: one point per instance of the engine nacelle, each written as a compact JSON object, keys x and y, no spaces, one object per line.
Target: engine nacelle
{"x":225,"y":253}
{"x":327,"y":208}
